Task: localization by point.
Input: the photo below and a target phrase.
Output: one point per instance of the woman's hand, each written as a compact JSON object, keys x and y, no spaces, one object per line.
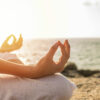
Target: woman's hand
{"x":46,"y":66}
{"x":6,"y":47}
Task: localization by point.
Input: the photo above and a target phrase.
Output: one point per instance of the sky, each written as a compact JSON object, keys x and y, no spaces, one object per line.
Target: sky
{"x":49,"y":18}
{"x":84,"y":18}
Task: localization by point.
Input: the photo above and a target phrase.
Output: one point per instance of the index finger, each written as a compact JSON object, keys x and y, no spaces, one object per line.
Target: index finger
{"x":63,"y":58}
{"x":52,"y":50}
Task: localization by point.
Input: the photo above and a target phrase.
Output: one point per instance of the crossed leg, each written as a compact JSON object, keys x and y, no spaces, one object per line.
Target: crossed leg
{"x":54,"y":87}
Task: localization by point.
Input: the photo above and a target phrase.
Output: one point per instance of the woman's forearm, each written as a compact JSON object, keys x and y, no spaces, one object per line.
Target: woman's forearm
{"x":46,"y":65}
{"x":21,"y":70}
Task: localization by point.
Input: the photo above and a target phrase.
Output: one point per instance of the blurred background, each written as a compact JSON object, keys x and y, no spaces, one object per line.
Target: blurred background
{"x":43,"y":22}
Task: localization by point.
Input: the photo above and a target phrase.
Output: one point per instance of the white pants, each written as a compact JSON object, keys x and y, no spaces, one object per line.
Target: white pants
{"x":54,"y":87}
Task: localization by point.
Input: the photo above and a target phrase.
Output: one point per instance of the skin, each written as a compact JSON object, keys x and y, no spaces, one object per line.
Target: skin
{"x":46,"y":66}
{"x":5,"y":43}
{"x":6,"y":47}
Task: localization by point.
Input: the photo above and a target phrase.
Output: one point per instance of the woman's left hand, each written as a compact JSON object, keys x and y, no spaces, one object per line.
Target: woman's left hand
{"x":46,"y":66}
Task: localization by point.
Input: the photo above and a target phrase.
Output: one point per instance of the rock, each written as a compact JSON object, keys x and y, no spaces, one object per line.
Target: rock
{"x":88,"y":73}
{"x":71,"y":70}
{"x":70,"y":66}
{"x":97,"y":75}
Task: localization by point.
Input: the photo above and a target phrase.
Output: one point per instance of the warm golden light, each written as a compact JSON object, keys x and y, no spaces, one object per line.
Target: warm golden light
{"x":33,"y":18}
{"x":48,"y":18}
{"x":14,"y":45}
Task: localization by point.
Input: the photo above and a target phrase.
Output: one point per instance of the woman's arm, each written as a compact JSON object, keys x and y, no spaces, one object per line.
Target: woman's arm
{"x":46,"y":66}
{"x":8,"y":67}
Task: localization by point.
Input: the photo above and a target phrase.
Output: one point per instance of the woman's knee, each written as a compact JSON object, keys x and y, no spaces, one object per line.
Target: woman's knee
{"x":66,"y":86}
{"x":59,"y":87}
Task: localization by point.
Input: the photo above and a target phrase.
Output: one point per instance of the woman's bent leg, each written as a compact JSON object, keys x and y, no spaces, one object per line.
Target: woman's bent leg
{"x":54,"y":87}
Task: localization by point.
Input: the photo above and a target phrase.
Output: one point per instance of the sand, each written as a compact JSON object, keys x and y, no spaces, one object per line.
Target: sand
{"x":87,"y":88}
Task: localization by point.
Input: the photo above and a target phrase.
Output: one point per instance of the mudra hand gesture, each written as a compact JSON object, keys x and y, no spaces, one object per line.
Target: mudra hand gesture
{"x":6,"y":47}
{"x":46,"y":66}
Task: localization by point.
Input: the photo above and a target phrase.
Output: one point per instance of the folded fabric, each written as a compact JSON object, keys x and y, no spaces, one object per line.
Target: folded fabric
{"x":8,"y":56}
{"x":54,"y":87}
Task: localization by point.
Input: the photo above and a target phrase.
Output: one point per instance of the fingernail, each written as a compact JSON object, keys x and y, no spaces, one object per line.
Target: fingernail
{"x":58,"y":42}
{"x":66,"y":40}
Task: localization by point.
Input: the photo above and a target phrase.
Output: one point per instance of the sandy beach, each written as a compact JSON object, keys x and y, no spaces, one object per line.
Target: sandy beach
{"x":87,"y":88}
{"x":87,"y":82}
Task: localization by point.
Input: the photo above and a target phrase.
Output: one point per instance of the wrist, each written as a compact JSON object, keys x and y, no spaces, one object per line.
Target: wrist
{"x":29,"y":71}
{"x":33,"y":72}
{"x":41,"y":72}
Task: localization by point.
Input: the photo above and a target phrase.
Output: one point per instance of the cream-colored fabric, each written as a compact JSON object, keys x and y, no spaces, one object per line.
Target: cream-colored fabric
{"x":54,"y":87}
{"x":8,"y":56}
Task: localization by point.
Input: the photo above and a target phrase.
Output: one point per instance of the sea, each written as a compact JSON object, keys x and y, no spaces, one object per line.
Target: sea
{"x":85,"y":52}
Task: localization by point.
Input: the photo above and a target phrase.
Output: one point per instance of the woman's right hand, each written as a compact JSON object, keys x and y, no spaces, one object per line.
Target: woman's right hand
{"x":46,"y":65}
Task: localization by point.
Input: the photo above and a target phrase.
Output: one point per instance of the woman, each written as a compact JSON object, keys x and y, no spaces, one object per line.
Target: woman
{"x":45,"y":67}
